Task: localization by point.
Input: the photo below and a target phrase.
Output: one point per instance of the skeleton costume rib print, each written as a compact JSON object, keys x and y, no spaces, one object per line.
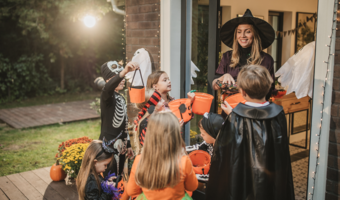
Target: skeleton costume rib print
{"x":120,"y":113}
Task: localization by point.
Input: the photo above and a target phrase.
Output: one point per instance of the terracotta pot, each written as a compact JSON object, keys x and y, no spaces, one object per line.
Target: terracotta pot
{"x":202,"y":103}
{"x":57,"y":173}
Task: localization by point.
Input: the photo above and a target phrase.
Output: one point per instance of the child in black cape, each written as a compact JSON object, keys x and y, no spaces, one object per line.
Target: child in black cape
{"x":251,"y":153}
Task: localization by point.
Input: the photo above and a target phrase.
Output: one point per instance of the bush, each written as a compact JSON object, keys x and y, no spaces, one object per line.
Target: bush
{"x":23,"y":78}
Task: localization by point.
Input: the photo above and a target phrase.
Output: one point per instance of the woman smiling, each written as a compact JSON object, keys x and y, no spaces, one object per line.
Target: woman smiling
{"x":247,"y":36}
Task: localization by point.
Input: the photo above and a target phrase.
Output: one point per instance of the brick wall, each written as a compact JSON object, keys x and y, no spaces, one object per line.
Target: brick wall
{"x":142,"y":31}
{"x":333,"y":171}
{"x":143,"y":28}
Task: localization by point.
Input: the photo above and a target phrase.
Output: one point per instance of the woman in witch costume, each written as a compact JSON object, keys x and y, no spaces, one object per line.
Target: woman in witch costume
{"x":247,"y":36}
{"x":114,"y":113}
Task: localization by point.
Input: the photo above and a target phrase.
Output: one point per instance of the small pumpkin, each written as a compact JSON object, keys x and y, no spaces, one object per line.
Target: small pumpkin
{"x":57,"y":173}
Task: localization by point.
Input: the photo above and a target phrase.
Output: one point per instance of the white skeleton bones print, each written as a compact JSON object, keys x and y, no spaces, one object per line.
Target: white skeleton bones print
{"x":120,"y":111}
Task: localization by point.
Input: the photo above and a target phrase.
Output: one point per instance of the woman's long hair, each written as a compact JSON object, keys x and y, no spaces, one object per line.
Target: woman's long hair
{"x":159,"y":166}
{"x":87,"y":166}
{"x":255,"y":55}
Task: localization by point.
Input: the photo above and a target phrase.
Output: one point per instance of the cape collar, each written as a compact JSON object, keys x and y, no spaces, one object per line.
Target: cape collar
{"x":266,"y":112}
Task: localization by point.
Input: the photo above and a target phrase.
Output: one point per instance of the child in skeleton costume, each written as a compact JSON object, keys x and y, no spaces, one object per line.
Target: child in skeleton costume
{"x":113,"y":112}
{"x":209,"y":126}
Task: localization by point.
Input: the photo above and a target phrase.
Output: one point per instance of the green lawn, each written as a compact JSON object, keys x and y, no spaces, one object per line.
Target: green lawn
{"x":29,"y":149}
{"x":57,"y":98}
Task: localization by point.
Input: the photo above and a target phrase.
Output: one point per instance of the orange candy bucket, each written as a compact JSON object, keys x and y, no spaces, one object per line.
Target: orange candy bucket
{"x":201,"y":161}
{"x":202,"y":103}
{"x":235,"y":99}
{"x":182,"y":109}
{"x":137,"y":93}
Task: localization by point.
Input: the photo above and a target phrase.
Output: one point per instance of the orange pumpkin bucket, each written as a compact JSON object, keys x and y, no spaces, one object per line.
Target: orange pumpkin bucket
{"x":235,"y":99}
{"x":182,"y":109}
{"x":201,"y":161}
{"x":202,"y":103}
{"x":137,"y":93}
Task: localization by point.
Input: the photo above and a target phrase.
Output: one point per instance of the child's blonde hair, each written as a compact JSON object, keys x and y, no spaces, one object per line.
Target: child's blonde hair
{"x":87,"y":166}
{"x":160,"y":159}
{"x":148,"y":94}
{"x":255,"y":81}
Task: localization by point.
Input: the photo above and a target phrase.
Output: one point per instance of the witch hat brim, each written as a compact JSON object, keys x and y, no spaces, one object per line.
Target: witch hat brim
{"x":265,"y":30}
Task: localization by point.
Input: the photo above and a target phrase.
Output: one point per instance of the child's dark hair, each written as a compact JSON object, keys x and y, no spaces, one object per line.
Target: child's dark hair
{"x":93,"y":152}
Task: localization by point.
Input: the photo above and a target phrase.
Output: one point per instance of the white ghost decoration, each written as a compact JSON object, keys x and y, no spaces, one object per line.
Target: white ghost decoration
{"x":297,"y":73}
{"x":142,"y":57}
{"x":194,"y":68}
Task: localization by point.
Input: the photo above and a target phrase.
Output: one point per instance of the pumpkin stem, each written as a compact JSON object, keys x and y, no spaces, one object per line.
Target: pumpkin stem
{"x":57,"y":162}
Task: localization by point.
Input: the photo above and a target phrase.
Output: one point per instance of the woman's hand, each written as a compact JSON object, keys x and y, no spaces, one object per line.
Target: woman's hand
{"x":228,"y":79}
{"x":131,"y":66}
{"x":226,"y":107}
{"x":225,"y":79}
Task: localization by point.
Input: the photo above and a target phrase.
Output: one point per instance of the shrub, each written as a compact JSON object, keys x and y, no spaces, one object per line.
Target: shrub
{"x":25,"y":77}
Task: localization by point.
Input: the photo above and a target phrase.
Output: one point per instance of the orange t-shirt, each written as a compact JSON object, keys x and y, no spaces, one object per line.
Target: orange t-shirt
{"x":188,"y":182}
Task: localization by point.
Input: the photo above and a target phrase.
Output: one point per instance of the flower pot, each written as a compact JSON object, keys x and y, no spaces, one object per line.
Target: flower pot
{"x":70,"y":180}
{"x":137,"y":93}
{"x":57,"y":173}
{"x":182,"y":109}
{"x":201,"y":161}
{"x":202,"y":103}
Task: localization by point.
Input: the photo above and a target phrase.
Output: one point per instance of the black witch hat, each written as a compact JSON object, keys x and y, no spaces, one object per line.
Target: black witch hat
{"x":265,"y":30}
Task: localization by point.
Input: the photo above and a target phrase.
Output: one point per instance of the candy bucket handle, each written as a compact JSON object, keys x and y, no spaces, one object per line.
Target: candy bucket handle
{"x":134,"y":77}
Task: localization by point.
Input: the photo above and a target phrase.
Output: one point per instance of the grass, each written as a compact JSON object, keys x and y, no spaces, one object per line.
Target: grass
{"x":57,"y":98}
{"x":29,"y":149}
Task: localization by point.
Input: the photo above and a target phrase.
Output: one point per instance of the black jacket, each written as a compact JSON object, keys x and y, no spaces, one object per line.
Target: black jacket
{"x":92,"y":190}
{"x":113,"y":111}
{"x":251,"y":158}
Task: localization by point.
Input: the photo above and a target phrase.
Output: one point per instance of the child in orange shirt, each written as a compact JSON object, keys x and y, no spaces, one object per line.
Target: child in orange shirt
{"x":164,"y":170}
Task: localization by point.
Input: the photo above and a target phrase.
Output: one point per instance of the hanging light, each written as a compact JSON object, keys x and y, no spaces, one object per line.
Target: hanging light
{"x":89,"y":21}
